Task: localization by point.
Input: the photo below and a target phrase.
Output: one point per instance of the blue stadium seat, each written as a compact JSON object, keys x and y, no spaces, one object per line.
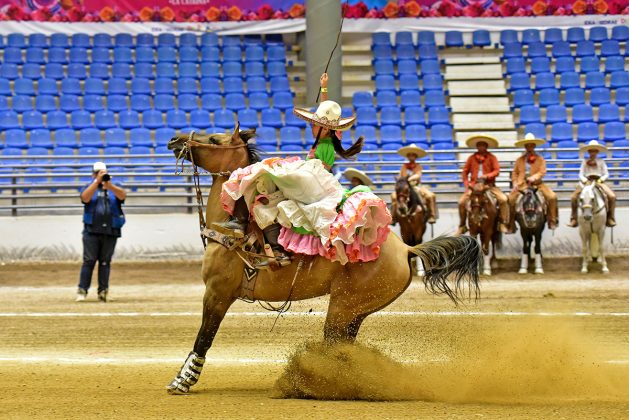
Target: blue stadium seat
{"x":556,"y":113}
{"x":508,"y":36}
{"x":212,"y":101}
{"x":405,"y":52}
{"x":257,"y":101}
{"x":162,"y":86}
{"x":276,"y":68}
{"x":585,"y":49}
{"x":233,"y":85}
{"x":410,"y":98}
{"x":622,"y":154}
{"x":12,"y":55}
{"x":540,"y":65}
{"x":438,"y":115}
{"x":619,"y":79}
{"x":102,"y":40}
{"x":561,"y":132}
{"x":561,"y":49}
{"x":209,"y":39}
{"x":384,"y":67}
{"x":538,"y":129}
{"x":361,"y":99}
{"x":90,"y":137}
{"x":254,"y":53}
{"x":80,"y":119}
{"x":17,"y":40}
{"x":441,"y":133}
{"x":212,"y":54}
{"x":123,"y":55}
{"x":415,"y":115}
{"x":519,"y":81}
{"x":32,"y":120}
{"x":35,"y":56}
{"x":140,"y":103}
{"x":121,"y":71}
{"x":116,"y":103}
{"x":165,"y":134}
{"x":416,"y":134}
{"x":610,"y":47}
{"x":187,"y":102}
{"x":565,"y":64}
{"x":254,"y":69}
{"x":529,"y":114}
{"x":128,"y":119}
{"x":93,"y":103}
{"x":390,"y":134}
{"x":279,"y":84}
{"x":152,"y":119}
{"x":104,"y":119}
{"x":531,"y":36}
{"x":590,"y":64}
{"x":188,"y":54}
{"x":367,"y":116}
{"x":575,"y":35}
{"x":80,"y":40}
{"x":522,"y":98}
{"x":56,"y":120}
{"x":11,"y":151}
{"x":140,"y":86}
{"x":574,"y":96}
{"x":614,"y":131}
{"x":71,"y":86}
{"x":69,"y":103}
{"x":598,"y":33}
{"x":432,"y":82}
{"x":380,"y":38}
{"x":94,"y":86}
{"x":569,"y":80}
{"x":115,"y":137}
{"x":430,"y":67}
{"x":8,"y":120}
{"x":141,"y":137}
{"x":59,"y":40}
{"x":271,"y":117}
{"x":210,"y":85}
{"x":600,"y":96}
{"x":135,"y":155}
{"x":256,"y":84}
{"x":41,"y":137}
{"x":248,"y":118}
{"x":22,"y":103}
{"x":434,"y":98}
{"x":385,"y":99}
{"x":454,"y":39}
{"x":79,"y":55}
{"x":144,"y":40}
{"x":620,"y":33}
{"x":115,"y":150}
{"x":37,"y":151}
{"x":536,"y":49}
{"x":143,"y":70}
{"x":512,"y":50}
{"x":224,"y":118}
{"x":5,"y":88}
{"x":65,"y":137}
{"x":428,"y":52}
{"x":544,"y":81}
{"x":4,"y":106}
{"x":232,"y":54}
{"x":166,"y":54}
{"x":403,"y":67}
{"x":404,"y":38}
{"x":368,"y":132}
{"x":516,"y":65}
{"x":188,"y":70}
{"x":283,"y":101}
{"x":391,"y":116}
{"x":45,"y":87}
{"x":101,"y":55}
{"x":594,"y":80}
{"x":385,"y":83}
{"x":15,"y":138}
{"x":235,"y":101}
{"x":24,"y":87}
{"x":481,"y":38}
{"x":276,"y":53}
{"x":291,"y":120}
{"x":123,"y":40}
{"x":266,"y":138}
{"x":408,"y":82}
{"x":582,"y":113}
{"x":552,"y":35}
{"x":587,"y":131}
{"x":166,"y":70}
{"x":608,"y":113}
{"x":77,"y":71}
{"x":614,"y":63}
{"x":290,"y":136}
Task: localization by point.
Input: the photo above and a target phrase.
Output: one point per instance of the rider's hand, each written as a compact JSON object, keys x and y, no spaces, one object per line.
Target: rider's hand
{"x":482,"y":177}
{"x":99,"y":176}
{"x":323,"y":81}
{"x":530,"y":179}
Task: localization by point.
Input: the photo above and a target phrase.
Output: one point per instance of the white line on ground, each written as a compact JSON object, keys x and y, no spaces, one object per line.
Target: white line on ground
{"x":301,"y":314}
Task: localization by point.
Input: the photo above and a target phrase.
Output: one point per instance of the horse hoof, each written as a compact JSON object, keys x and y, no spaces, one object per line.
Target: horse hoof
{"x":539,"y":271}
{"x":177,"y":390}
{"x":584,"y":271}
{"x":486,"y":272}
{"x":421,"y":273}
{"x":522,"y":271}
{"x":605,"y":270}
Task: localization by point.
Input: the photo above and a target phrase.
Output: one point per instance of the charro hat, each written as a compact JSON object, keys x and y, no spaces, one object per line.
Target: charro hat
{"x":594,"y":145}
{"x":327,"y":115}
{"x":356,"y":173}
{"x":99,"y":166}
{"x":407,"y":150}
{"x":529,"y":138}
{"x":478,"y":138}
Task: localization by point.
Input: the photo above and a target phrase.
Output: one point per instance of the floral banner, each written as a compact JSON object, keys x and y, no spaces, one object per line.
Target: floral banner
{"x":252,"y":10}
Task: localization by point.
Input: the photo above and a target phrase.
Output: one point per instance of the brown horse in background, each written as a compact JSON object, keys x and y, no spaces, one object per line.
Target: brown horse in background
{"x":483,"y":221}
{"x":408,"y":211}
{"x":356,"y":290}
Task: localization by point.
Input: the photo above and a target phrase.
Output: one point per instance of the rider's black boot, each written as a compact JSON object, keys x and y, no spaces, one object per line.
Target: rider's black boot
{"x":237,"y":224}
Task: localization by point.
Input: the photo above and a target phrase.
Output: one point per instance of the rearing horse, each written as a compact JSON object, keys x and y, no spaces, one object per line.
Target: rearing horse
{"x":356,"y":290}
{"x":483,"y":221}
{"x":531,"y":216}
{"x":592,"y":220}
{"x":407,"y":209}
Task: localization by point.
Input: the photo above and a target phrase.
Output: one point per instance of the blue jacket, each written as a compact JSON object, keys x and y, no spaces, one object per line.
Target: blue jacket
{"x":117,"y":219}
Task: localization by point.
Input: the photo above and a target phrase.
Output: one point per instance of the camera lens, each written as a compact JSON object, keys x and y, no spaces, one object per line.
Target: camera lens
{"x":106,"y":177}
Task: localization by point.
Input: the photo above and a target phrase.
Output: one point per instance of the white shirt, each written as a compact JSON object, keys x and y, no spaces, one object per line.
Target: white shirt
{"x":600,"y":169}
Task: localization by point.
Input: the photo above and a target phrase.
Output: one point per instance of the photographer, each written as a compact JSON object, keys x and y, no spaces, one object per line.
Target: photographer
{"x":102,"y":219}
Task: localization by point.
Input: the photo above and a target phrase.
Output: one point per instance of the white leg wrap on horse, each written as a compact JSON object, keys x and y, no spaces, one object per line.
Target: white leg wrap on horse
{"x":188,"y":375}
{"x":487,"y":265}
{"x":524,"y":264}
{"x":539,"y":269}
{"x":420,"y":267}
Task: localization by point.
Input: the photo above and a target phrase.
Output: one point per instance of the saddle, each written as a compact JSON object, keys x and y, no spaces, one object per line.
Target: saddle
{"x":482,"y":191}
{"x":519,"y":203}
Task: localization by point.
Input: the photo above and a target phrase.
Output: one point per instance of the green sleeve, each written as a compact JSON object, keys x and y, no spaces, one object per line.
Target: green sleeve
{"x":325,"y":152}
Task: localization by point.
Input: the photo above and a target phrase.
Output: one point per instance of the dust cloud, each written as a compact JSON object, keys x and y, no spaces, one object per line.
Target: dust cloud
{"x":528,"y":361}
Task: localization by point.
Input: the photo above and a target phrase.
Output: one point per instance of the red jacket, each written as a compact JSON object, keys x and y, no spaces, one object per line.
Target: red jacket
{"x":491,"y":169}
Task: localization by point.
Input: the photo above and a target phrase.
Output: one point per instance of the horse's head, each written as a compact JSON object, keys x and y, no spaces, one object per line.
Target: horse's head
{"x":407,"y":198}
{"x":216,"y":153}
{"x":587,"y":200}
{"x":530,"y":208}
{"x":478,"y":200}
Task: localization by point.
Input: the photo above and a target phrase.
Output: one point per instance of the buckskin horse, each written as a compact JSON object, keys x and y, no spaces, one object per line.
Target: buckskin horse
{"x":592,"y":219}
{"x":408,"y":211}
{"x":483,"y":222}
{"x":356,"y":290}
{"x":531,"y":217}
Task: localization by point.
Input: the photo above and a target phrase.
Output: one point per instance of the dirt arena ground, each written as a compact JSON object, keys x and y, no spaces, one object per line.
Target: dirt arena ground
{"x":551,"y":346}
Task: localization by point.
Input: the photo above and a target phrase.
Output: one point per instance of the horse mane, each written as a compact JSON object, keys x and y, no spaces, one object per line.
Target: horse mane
{"x":413,"y":196}
{"x":253,"y":152}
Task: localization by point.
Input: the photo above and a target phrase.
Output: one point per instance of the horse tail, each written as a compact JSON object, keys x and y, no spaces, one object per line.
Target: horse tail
{"x":496,"y":239}
{"x":443,"y":256}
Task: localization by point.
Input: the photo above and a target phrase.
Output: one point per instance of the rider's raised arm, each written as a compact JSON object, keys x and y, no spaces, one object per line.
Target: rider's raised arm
{"x":604,"y":170}
{"x":582,"y":176}
{"x":323,"y":82}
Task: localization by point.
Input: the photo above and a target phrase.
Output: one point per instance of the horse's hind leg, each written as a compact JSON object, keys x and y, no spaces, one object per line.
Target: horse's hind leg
{"x":585,"y":245}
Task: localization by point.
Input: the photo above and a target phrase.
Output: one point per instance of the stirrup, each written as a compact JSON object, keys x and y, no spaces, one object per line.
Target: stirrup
{"x":432,"y":220}
{"x":610,"y":223}
{"x":282,"y":260}
{"x":236,"y":232}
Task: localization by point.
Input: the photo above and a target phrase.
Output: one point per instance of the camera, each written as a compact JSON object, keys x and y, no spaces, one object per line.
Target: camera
{"x":106,"y":177}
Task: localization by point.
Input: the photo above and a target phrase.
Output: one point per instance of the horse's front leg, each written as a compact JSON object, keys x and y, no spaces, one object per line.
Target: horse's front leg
{"x":539,"y":267}
{"x":601,"y":250}
{"x":486,"y":243}
{"x":585,"y":245}
{"x":526,"y":252}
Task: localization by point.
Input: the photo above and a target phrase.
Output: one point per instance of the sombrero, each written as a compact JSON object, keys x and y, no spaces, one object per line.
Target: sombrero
{"x":406,"y":150}
{"x":594,"y":145}
{"x":474,"y":140}
{"x":356,"y":173}
{"x":327,"y":115}
{"x":529,"y":138}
